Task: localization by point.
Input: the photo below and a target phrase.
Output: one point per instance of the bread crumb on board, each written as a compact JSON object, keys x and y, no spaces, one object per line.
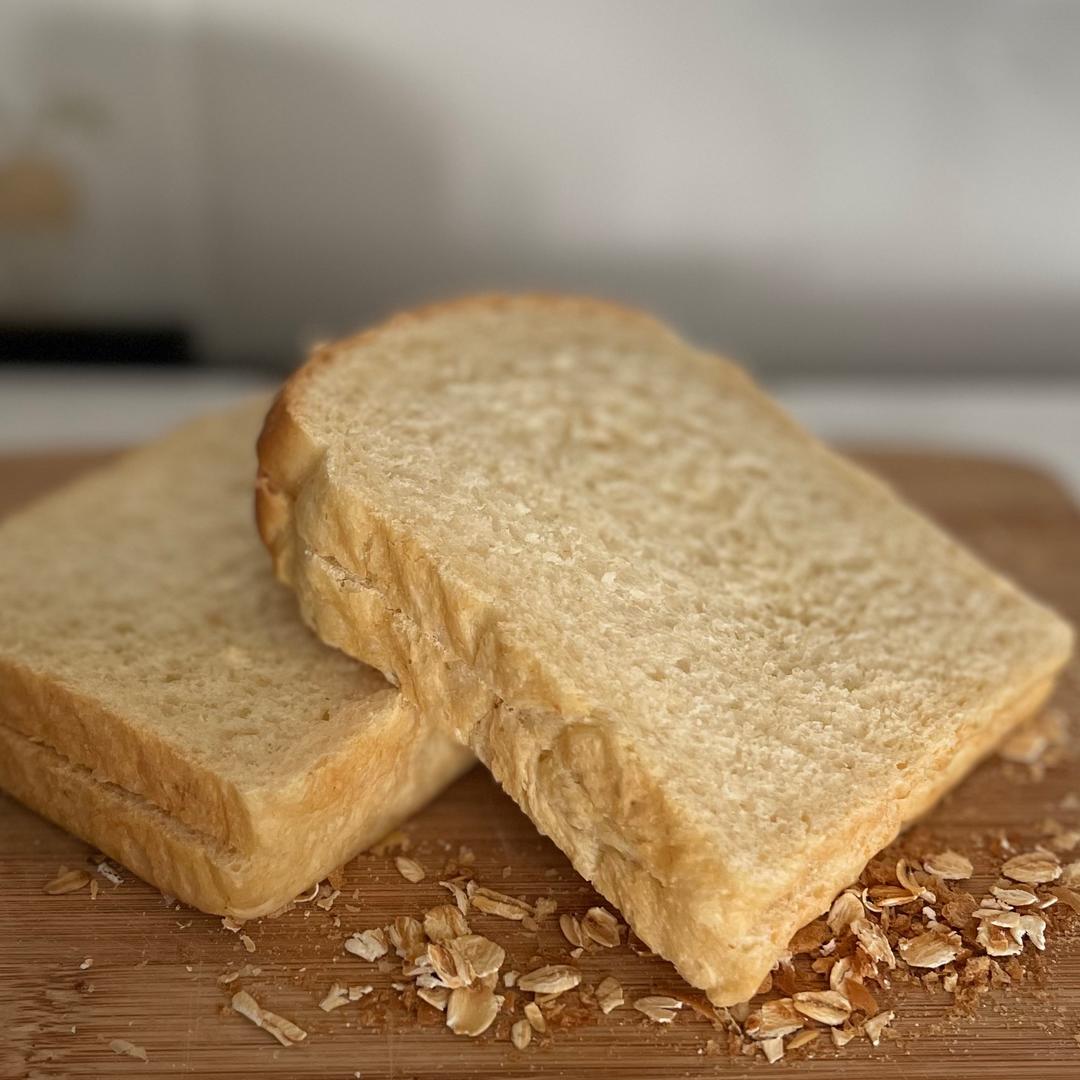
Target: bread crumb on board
{"x":285,"y":1031}
{"x":128,"y":1049}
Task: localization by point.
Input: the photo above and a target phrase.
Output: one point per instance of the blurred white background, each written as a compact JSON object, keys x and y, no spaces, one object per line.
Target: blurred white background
{"x":870,"y":192}
{"x":829,"y":185}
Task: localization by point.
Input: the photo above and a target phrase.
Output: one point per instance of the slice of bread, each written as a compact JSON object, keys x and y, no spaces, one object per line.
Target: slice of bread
{"x":160,"y":697}
{"x":718,"y":664}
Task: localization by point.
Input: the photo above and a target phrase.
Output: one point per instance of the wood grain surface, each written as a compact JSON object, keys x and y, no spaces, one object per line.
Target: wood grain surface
{"x":154,"y":973}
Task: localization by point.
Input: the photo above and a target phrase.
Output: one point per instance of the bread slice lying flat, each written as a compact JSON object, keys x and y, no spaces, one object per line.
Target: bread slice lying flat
{"x":719,"y":665}
{"x":160,"y":697}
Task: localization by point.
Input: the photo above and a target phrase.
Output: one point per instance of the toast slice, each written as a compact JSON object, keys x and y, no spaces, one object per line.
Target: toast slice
{"x":160,"y":697}
{"x":717,"y":663}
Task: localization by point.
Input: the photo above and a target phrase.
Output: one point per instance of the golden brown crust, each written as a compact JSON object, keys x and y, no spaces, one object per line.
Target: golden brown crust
{"x":192,"y":866}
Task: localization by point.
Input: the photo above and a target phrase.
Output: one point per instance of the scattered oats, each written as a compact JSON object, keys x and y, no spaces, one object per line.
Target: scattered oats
{"x":460,"y":896}
{"x":67,"y":881}
{"x":535,"y":1017}
{"x":905,"y":874}
{"x":801,"y":1038}
{"x":828,"y":948}
{"x":109,"y":873}
{"x":824,"y":1006}
{"x":88,"y":962}
{"x":409,"y":869}
{"x":326,"y":902}
{"x":658,"y":1008}
{"x":392,"y":841}
{"x":510,"y":979}
{"x":122,"y":1046}
{"x":496,"y":903}
{"x":948,"y":866}
{"x":306,"y":898}
{"x":839,"y":972}
{"x":436,"y":996}
{"x":481,"y":954}
{"x":507,"y":872}
{"x":471,"y":1010}
{"x":445,"y":922}
{"x":336,"y":996}
{"x":1013,"y":896}
{"x":248,"y":944}
{"x":609,"y":995}
{"x":948,"y":981}
{"x":450,"y":966}
{"x":1033,"y":868}
{"x":773,"y":1018}
{"x":337,"y":878}
{"x":773,"y":1049}
{"x":406,"y":935}
{"x":878,"y":897}
{"x":1034,"y":926}
{"x":521,"y":1034}
{"x":242,"y":973}
{"x":231,"y":924}
{"x":368,"y":944}
{"x":602,"y":927}
{"x":842,"y":1036}
{"x":997,"y":916}
{"x":576,"y":954}
{"x":94,"y":886}
{"x":874,"y":942}
{"x":877,"y":1024}
{"x":571,"y":930}
{"x":465,"y":855}
{"x":932,"y":949}
{"x":285,"y":1031}
{"x":553,"y":979}
{"x":846,"y":908}
{"x":996,"y":941}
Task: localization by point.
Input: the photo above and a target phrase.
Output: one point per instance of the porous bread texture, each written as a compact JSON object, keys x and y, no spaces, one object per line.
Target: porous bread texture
{"x":160,"y":697}
{"x":716,"y":662}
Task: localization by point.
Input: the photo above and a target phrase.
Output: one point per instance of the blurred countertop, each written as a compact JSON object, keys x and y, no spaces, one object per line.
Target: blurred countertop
{"x":1032,"y":420}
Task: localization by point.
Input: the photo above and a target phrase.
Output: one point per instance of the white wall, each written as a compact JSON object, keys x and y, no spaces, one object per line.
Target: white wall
{"x":803,"y":183}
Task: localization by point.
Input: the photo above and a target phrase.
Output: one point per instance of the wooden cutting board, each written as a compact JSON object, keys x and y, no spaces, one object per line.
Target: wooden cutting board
{"x":154,"y":973}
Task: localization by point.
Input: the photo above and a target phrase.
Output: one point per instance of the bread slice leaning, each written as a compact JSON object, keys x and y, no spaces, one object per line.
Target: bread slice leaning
{"x":718,"y":664}
{"x":160,"y":697}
